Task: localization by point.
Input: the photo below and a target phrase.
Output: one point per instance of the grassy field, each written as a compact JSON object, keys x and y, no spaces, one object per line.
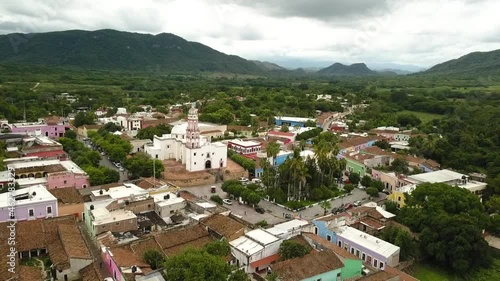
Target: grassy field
{"x":424,"y":116}
{"x":425,"y":272}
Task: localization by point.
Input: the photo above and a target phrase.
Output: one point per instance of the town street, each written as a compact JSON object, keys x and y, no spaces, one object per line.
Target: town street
{"x":274,"y":213}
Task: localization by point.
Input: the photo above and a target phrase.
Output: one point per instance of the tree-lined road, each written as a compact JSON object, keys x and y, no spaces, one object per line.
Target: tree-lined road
{"x":274,"y":213}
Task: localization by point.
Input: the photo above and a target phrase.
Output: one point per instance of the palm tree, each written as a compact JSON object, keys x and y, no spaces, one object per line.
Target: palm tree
{"x":272,"y":150}
{"x":325,"y":205}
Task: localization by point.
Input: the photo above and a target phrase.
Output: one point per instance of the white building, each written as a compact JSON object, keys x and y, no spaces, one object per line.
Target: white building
{"x":451,"y":178}
{"x":185,"y":144}
{"x":370,"y":249}
{"x":31,"y":203}
{"x":256,"y":250}
{"x":290,"y":229}
{"x":167,"y":204}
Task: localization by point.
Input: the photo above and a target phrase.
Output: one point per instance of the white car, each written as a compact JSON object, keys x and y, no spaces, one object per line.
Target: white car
{"x":121,"y":169}
{"x":227,"y":201}
{"x":357,"y":203}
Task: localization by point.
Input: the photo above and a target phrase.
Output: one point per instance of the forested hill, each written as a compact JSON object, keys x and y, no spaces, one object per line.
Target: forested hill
{"x":338,"y":69}
{"x":116,"y":50}
{"x":474,"y":65}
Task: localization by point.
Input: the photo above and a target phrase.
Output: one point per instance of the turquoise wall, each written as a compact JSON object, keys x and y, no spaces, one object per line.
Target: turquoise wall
{"x":355,"y":166}
{"x":352,"y":268}
{"x":327,"y":276}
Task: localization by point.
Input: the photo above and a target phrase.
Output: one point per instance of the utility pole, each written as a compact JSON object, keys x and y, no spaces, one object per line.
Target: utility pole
{"x":154,"y":172}
{"x":24,"y":114}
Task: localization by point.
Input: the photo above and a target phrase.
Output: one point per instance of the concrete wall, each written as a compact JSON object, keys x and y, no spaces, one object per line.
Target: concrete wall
{"x":322,"y":231}
{"x":117,"y":226}
{"x":355,"y":167}
{"x":51,"y":131}
{"x":71,"y":209}
{"x":366,"y":254}
{"x":67,"y":179}
{"x":330,"y":275}
{"x":39,"y":211}
{"x":111,"y":266}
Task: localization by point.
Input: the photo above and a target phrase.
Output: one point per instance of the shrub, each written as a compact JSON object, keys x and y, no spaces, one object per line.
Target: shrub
{"x":216,"y":199}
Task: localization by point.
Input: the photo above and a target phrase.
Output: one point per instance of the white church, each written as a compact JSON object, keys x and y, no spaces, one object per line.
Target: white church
{"x":185,"y":144}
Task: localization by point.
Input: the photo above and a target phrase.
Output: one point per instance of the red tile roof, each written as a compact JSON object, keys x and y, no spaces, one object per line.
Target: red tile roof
{"x":276,"y":133}
{"x":265,"y":261}
{"x":308,"y":266}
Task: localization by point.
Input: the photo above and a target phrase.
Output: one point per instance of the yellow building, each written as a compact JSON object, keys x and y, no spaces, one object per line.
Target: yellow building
{"x":398,"y":195}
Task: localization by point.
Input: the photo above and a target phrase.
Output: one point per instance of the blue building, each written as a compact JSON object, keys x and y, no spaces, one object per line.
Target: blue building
{"x":292,"y":121}
{"x":323,"y":226}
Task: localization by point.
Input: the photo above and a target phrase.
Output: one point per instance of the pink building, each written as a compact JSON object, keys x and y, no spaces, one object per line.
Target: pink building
{"x":52,"y":127}
{"x":51,"y":173}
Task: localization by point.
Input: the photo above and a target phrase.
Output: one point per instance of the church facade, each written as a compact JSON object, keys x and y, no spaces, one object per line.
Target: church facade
{"x":187,"y":145}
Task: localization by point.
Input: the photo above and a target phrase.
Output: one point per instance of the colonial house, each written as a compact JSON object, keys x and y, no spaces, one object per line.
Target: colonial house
{"x":85,"y":129}
{"x":69,"y":202}
{"x":244,"y":147}
{"x":222,"y":226}
{"x":292,"y":121}
{"x":52,"y":127}
{"x":256,"y":250}
{"x":322,"y":265}
{"x":126,"y":262}
{"x":31,"y":203}
{"x":51,"y":173}
{"x":60,"y":238}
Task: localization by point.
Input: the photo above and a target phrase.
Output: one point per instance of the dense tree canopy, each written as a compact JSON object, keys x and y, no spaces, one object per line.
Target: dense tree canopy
{"x":449,"y":221}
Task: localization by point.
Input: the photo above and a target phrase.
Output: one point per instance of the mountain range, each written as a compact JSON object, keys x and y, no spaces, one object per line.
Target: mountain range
{"x":116,"y":50}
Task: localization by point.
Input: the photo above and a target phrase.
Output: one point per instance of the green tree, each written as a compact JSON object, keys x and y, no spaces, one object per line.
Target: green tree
{"x":262,"y":223}
{"x":218,"y":248}
{"x":354,"y":178}
{"x":325,"y":205}
{"x":379,"y":185}
{"x":372,"y":191}
{"x":216,"y":199}
{"x":196,"y":265}
{"x":449,"y":220}
{"x":272,"y":277}
{"x":154,"y":258}
{"x":82,"y":118}
{"x":493,"y":204}
{"x":150,"y":132}
{"x":238,"y":275}
{"x":70,"y":134}
{"x":400,"y":166}
{"x":285,"y":128}
{"x":291,"y":249}
{"x":110,"y":127}
{"x":403,"y":239}
{"x":366,"y":181}
{"x":348,"y":188}
{"x":391,"y":207}
{"x":141,"y":165}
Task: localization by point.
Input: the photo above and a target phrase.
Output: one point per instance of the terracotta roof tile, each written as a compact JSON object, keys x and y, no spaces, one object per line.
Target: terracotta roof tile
{"x":402,"y":275}
{"x":30,"y":235}
{"x":73,"y":243}
{"x":195,"y":244}
{"x":333,"y":217}
{"x":48,"y":169}
{"x":308,"y":266}
{"x":378,"y":276}
{"x":143,"y":245}
{"x":67,"y":195}
{"x":373,"y":223}
{"x":124,"y":257}
{"x":90,"y":273}
{"x":182,"y":236}
{"x":225,"y":226}
{"x":30,"y":273}
{"x":57,"y":255}
{"x":330,"y":246}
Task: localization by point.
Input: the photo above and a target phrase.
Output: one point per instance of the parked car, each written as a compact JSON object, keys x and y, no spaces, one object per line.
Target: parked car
{"x":259,"y":210}
{"x":213,"y":189}
{"x":365,"y":271}
{"x":121,"y":169}
{"x":103,"y":153}
{"x":227,"y":201}
{"x":256,"y":180}
{"x":357,"y":203}
{"x":243,"y":179}
{"x":118,"y":165}
{"x":348,"y":206}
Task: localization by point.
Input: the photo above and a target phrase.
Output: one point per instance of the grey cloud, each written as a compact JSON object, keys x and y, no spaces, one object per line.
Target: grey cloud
{"x":326,"y":10}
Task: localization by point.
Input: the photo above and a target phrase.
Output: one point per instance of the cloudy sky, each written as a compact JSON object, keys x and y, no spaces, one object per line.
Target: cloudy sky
{"x":289,"y":32}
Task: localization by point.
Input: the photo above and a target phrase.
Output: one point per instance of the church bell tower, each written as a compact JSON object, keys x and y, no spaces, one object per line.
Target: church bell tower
{"x":192,"y":131}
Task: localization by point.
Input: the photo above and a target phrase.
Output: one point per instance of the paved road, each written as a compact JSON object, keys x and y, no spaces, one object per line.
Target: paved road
{"x":274,"y":213}
{"x":106,"y":163}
